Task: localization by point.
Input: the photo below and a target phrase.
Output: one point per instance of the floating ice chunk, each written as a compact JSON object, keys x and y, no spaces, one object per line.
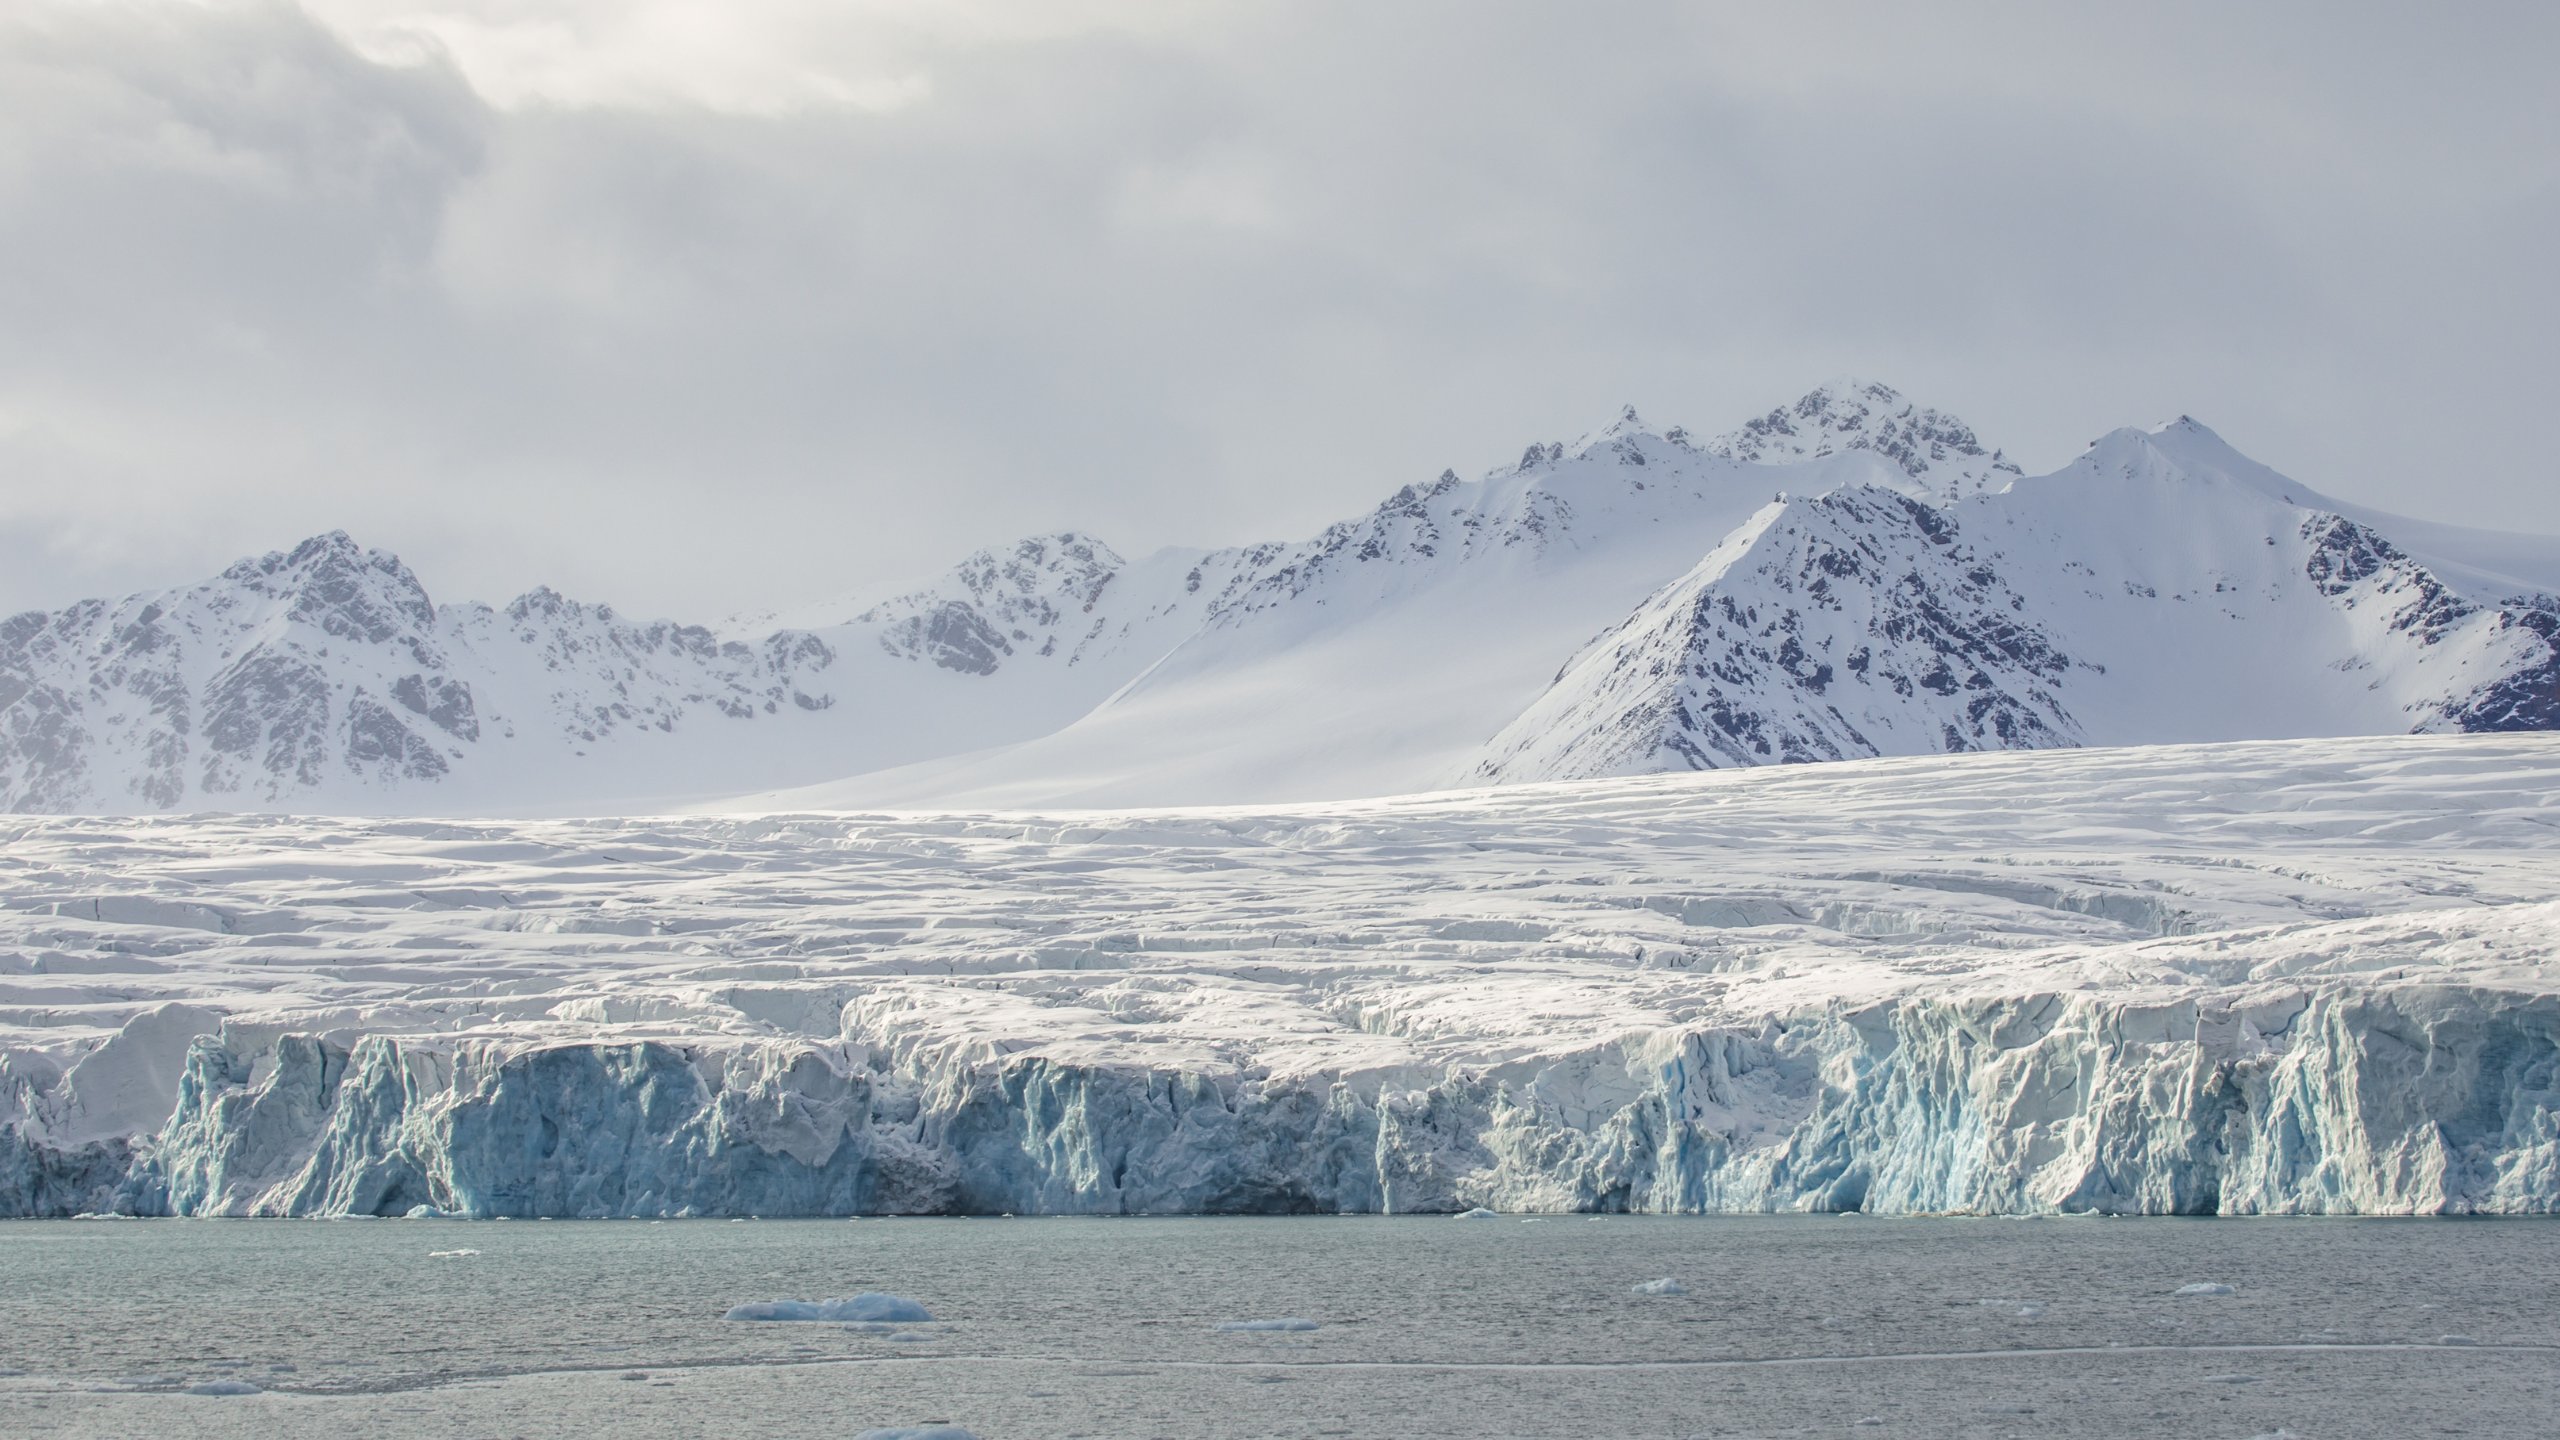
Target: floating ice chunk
{"x":870,"y":1305}
{"x":2455,"y":1340}
{"x":224,"y":1387}
{"x":917,"y":1432}
{"x":1266,"y":1325}
{"x":2204,"y":1288}
{"x":1664,"y":1286}
{"x":1478,"y":1213}
{"x":450,"y":1254}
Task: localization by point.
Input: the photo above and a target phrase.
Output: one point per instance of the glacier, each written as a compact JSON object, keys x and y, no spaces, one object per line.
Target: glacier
{"x":2273,"y":977}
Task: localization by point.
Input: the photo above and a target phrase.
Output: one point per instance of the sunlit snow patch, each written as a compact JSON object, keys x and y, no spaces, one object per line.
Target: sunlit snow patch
{"x":870,"y":1306}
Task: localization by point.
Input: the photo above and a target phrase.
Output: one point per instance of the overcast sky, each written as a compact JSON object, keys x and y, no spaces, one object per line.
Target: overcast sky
{"x":698,"y":307}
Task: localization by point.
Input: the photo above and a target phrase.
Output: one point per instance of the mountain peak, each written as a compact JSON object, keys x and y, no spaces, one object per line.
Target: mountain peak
{"x":1935,"y":449}
{"x":1626,"y":437}
{"x":2188,"y":450}
{"x":339,"y":586}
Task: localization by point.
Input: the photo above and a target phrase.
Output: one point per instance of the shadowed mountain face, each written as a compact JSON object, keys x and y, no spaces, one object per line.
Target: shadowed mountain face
{"x":1907,"y":591}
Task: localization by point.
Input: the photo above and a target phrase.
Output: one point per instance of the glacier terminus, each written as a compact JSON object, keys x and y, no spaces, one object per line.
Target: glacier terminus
{"x":2281,"y":977}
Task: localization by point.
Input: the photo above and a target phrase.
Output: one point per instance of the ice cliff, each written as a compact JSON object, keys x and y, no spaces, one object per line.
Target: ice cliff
{"x":2422,"y":1100}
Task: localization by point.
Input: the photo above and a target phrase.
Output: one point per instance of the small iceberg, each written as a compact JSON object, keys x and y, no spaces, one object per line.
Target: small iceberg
{"x":450,"y":1254}
{"x":2205,"y":1288}
{"x":1478,"y":1213}
{"x":224,"y":1387}
{"x":1664,"y":1286}
{"x":1266,"y":1325}
{"x":870,"y":1307}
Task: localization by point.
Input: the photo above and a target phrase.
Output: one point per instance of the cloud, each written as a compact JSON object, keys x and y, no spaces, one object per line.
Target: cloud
{"x":696,"y":308}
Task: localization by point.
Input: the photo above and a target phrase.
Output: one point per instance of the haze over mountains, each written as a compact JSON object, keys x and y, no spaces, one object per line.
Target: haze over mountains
{"x":1850,"y":575}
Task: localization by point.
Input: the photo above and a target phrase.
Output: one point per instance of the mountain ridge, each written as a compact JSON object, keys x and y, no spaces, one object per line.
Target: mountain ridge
{"x":1907,"y":590}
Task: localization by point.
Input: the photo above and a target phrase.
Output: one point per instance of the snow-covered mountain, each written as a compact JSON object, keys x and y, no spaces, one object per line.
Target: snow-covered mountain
{"x":325,"y":675}
{"x":1852,"y":574}
{"x":1852,"y":624}
{"x":1380,"y":655}
{"x":2160,"y":588}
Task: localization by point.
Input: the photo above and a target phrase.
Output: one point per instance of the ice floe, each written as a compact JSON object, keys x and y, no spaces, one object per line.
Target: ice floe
{"x":869,"y":1307}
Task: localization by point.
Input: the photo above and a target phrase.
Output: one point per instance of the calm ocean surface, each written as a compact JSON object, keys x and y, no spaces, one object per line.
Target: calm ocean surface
{"x":1428,"y":1327}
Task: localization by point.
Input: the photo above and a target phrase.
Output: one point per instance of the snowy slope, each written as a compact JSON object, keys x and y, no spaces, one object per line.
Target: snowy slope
{"x":1379,"y":655}
{"x":2279,"y":976}
{"x":2161,"y":588}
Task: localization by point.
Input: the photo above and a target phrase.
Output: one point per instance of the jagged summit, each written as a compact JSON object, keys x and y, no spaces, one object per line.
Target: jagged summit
{"x":1032,"y":597}
{"x":1938,"y":451}
{"x":339,"y":586}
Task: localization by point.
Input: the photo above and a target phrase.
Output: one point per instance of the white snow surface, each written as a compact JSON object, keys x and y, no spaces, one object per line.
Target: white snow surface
{"x":2285,"y":975}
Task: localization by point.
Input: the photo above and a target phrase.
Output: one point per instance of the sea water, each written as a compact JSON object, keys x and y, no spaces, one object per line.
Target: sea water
{"x":1422,"y":1327}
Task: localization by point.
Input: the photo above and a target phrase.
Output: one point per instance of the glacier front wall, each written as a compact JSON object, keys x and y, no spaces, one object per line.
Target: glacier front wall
{"x":2411,"y":1100}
